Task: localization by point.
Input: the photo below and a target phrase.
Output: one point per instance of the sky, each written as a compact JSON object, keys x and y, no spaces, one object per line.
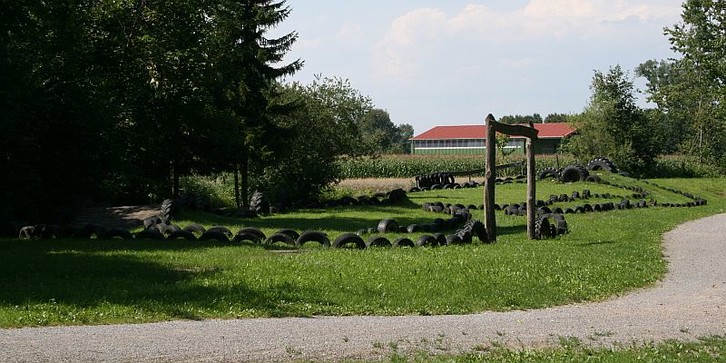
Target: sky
{"x":453,"y":62}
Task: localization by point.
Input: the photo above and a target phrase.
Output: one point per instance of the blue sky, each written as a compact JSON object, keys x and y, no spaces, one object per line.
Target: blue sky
{"x":453,"y":62}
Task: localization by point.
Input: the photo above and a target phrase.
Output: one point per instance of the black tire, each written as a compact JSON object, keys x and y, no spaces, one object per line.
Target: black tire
{"x":413,"y":228}
{"x":247,"y":236}
{"x":150,"y":234}
{"x":313,"y":236}
{"x":93,"y":230}
{"x":221,"y":229}
{"x":397,"y":195}
{"x":255,"y":231}
{"x":403,"y":242}
{"x":259,"y":204}
{"x":167,"y":229}
{"x":378,"y":241}
{"x":464,"y":235}
{"x":542,"y":228}
{"x":388,"y":225}
{"x":196,"y":229}
{"x":290,"y":232}
{"x":214,"y":235}
{"x":26,"y":233}
{"x":574,"y":173}
{"x":602,"y":164}
{"x":548,"y":173}
{"x":440,"y":239}
{"x":347,"y":238}
{"x":119,"y":233}
{"x":280,"y":237}
{"x":479,"y":230}
{"x":426,"y":240}
{"x":559,"y":223}
{"x":593,"y":179}
{"x":182,"y":234}
{"x":453,"y":239}
{"x":167,"y":210}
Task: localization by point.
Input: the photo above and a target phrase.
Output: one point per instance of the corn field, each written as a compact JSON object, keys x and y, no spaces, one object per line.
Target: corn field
{"x":409,"y":166}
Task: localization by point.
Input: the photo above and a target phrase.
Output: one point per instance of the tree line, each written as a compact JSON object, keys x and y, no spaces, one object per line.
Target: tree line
{"x":111,"y":102}
{"x":689,"y":94}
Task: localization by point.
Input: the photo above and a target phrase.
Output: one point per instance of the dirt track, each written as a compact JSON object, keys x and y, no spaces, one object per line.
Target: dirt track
{"x":689,"y":303}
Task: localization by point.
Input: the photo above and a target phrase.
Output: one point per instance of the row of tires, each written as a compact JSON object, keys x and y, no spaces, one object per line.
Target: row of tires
{"x":464,"y":235}
{"x":577,"y":172}
{"x":430,"y":180}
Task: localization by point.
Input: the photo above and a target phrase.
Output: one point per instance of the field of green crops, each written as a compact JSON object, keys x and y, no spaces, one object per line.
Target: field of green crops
{"x":408,"y":166}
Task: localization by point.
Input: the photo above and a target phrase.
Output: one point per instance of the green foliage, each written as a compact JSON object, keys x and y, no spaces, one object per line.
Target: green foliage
{"x":409,"y":166}
{"x":557,"y":117}
{"x":116,"y":101}
{"x":690,"y":92}
{"x":381,"y":136}
{"x":613,"y":125}
{"x":684,"y":166}
{"x":519,"y":119}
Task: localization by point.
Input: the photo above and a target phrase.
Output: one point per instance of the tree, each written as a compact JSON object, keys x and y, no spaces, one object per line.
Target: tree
{"x":668,"y":121}
{"x":613,"y":125}
{"x":381,"y":135}
{"x":699,"y":93}
{"x":519,"y":119}
{"x":557,"y":117}
{"x":243,"y":60}
{"x":405,"y":133}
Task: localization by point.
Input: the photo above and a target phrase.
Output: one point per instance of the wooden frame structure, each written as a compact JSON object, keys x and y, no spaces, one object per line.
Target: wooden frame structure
{"x":491,"y":154}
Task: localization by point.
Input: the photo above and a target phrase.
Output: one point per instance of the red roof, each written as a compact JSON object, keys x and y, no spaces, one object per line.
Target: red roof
{"x":546,"y":131}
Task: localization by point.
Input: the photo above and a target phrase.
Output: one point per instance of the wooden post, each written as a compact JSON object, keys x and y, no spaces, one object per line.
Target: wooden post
{"x":490,"y":221}
{"x":531,"y":188}
{"x":492,"y":127}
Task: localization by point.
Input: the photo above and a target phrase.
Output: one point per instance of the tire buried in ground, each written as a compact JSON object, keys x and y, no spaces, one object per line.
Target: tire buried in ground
{"x":313,"y":236}
{"x":378,"y":241}
{"x":348,"y":238}
{"x":403,"y":242}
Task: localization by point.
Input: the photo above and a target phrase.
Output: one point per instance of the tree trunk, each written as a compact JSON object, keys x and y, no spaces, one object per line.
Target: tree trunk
{"x":245,"y":179}
{"x":236,"y":185}
{"x":175,"y":188}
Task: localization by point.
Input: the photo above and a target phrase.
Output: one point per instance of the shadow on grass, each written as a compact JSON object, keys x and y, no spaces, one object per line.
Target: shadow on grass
{"x":336,"y":219}
{"x":38,"y":272}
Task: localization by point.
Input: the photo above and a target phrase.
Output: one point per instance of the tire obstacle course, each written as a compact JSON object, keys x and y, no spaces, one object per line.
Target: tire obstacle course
{"x":549,"y":220}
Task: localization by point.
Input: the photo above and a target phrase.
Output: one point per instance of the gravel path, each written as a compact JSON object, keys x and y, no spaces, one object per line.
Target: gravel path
{"x":689,"y":303}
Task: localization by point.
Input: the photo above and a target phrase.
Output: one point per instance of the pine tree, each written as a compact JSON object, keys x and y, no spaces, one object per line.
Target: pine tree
{"x":245,"y":73}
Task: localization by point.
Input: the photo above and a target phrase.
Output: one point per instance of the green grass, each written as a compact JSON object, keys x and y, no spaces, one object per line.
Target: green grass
{"x":65,"y":282}
{"x":710,"y":349}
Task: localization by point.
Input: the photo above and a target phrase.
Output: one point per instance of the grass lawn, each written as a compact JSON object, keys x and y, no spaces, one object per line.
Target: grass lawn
{"x":65,"y":282}
{"x":709,"y":349}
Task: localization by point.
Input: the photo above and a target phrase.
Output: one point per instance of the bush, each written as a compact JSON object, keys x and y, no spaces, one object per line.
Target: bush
{"x":682,"y":166}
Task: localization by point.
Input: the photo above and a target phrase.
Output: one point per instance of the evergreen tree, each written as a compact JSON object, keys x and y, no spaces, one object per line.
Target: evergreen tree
{"x":244,"y":79}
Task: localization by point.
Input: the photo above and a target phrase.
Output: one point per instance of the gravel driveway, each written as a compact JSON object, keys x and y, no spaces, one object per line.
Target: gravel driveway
{"x":689,"y":303}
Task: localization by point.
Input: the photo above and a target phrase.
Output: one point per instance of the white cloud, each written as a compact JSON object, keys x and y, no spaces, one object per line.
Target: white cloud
{"x":416,"y":38}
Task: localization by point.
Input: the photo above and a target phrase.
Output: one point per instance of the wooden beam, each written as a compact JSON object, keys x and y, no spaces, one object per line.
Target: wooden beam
{"x":513,"y":130}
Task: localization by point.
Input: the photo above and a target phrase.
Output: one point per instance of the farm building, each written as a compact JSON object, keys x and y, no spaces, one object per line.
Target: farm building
{"x":471,"y":139}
